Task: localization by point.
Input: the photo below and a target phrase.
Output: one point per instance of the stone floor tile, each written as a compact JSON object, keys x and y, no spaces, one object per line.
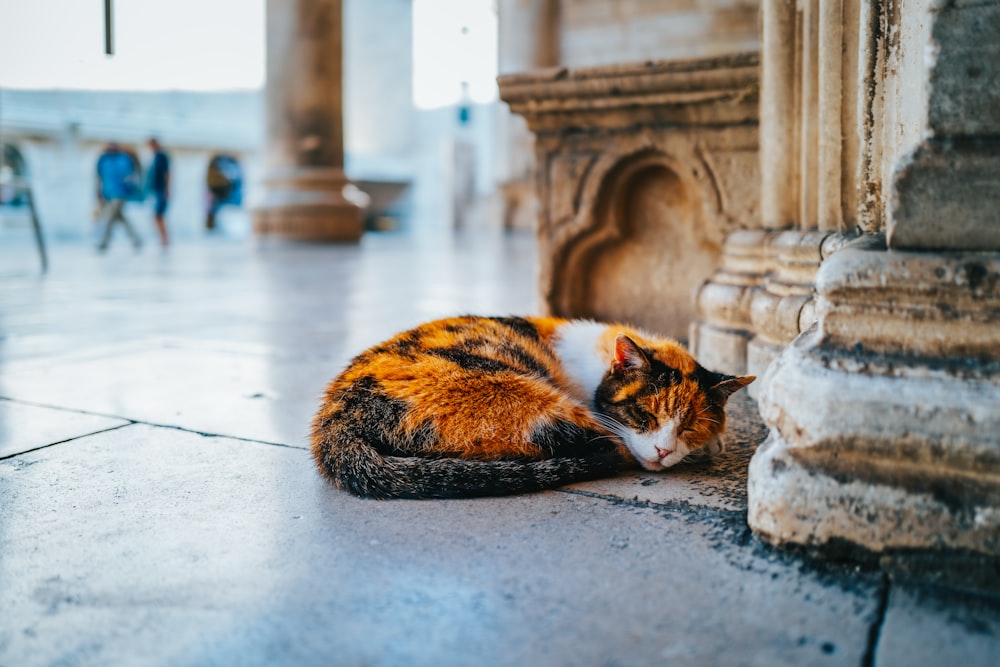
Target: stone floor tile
{"x":153,"y":545}
{"x":930,"y":626}
{"x":24,"y":427}
{"x":149,"y":545}
{"x":223,"y":389}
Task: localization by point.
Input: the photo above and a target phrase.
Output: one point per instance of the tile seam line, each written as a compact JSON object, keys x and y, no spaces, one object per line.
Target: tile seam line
{"x":869,"y":658}
{"x":62,"y":442}
{"x":130,"y":421}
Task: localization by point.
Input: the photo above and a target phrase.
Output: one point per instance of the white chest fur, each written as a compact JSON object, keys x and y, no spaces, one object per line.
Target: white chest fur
{"x":578,"y":345}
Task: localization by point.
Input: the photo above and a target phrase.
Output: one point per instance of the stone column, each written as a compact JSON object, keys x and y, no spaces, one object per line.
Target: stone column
{"x":778,"y":115}
{"x":885,"y":431}
{"x":306,"y":194}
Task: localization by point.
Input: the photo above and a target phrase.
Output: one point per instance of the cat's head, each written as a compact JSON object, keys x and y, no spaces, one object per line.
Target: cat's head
{"x":662,"y":403}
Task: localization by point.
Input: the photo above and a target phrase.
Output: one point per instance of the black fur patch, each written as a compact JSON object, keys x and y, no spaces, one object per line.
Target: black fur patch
{"x":406,"y":345}
{"x":526,"y":360}
{"x":519,"y":325}
{"x":370,"y":414}
{"x":566,"y":439}
{"x":464,"y":358}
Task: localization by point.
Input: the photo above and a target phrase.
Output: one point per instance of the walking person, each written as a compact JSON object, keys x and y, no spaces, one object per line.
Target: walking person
{"x":117,"y":181}
{"x":159,"y":186}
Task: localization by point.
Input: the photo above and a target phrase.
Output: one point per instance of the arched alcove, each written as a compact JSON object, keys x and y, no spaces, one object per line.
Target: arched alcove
{"x":648,"y":252}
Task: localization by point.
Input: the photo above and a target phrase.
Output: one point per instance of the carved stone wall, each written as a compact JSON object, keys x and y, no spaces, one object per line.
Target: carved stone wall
{"x":642,"y":171}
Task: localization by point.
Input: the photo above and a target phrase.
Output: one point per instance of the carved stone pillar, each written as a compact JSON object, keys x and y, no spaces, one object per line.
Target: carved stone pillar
{"x":885,"y":432}
{"x":306,"y":194}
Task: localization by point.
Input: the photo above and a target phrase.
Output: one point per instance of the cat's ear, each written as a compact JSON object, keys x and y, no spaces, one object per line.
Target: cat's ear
{"x":628,"y":355}
{"x":728,"y":385}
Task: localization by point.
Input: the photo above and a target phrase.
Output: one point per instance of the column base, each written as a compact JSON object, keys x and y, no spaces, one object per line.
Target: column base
{"x":885,"y":432}
{"x":883,"y":462}
{"x":311,"y":205}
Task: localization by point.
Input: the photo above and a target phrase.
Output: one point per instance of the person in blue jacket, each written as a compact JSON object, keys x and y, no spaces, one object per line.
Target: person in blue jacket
{"x":117,"y":182}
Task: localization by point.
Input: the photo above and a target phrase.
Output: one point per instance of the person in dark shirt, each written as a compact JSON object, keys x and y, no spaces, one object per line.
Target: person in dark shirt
{"x":159,"y":186}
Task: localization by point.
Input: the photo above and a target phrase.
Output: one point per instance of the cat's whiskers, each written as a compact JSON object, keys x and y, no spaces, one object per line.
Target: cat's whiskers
{"x":612,"y":425}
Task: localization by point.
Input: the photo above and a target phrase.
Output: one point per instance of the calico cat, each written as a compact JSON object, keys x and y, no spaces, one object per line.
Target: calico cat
{"x":482,"y":406}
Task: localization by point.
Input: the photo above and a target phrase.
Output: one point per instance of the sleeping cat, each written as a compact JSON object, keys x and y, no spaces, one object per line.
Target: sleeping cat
{"x":482,"y":406}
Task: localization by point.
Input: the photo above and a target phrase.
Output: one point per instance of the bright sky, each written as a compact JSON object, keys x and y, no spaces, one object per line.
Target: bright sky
{"x":219,"y":45}
{"x":444,"y":55}
{"x":159,"y":44}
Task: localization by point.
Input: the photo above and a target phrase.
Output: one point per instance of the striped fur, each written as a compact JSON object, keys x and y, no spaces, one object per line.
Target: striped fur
{"x":475,"y":406}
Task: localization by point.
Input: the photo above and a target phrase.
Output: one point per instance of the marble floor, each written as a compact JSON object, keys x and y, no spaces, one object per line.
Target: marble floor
{"x":158,"y":505}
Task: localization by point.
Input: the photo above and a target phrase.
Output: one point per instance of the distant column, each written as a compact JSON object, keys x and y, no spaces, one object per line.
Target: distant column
{"x":306,"y":194}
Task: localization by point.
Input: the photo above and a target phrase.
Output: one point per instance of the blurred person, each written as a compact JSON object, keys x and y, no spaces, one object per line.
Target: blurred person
{"x":158,"y":185}
{"x":219,"y":189}
{"x":116,"y":174}
{"x":225,"y":183}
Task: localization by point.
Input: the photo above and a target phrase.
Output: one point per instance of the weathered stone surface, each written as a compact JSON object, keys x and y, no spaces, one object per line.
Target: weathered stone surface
{"x":882,"y":422}
{"x":724,"y":327}
{"x":884,"y":461}
{"x":964,"y":81}
{"x":946,"y":195}
{"x":883,"y":417}
{"x":689,"y":93}
{"x":940,"y":305}
{"x":596,"y":32}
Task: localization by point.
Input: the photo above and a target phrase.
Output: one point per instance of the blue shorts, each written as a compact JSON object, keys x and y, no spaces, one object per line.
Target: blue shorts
{"x":159,"y":203}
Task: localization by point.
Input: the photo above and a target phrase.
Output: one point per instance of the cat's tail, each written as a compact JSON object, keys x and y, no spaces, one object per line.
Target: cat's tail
{"x":358,"y":468}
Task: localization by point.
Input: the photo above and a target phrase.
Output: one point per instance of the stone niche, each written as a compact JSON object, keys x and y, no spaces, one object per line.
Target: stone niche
{"x":643,"y":169}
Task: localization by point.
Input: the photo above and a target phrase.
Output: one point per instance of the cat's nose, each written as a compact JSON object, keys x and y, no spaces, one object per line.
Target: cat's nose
{"x":664,"y":453}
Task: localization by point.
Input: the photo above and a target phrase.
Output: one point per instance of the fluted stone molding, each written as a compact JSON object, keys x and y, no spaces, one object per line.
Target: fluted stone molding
{"x":306,"y":195}
{"x":783,"y":305}
{"x":885,"y":432}
{"x":808,"y":180}
{"x":643,"y":169}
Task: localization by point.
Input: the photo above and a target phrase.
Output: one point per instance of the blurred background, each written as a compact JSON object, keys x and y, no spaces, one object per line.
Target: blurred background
{"x":424,"y":133}
{"x":419,"y":100}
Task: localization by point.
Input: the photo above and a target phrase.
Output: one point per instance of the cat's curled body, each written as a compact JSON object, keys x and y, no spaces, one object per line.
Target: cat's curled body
{"x":479,"y":406}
